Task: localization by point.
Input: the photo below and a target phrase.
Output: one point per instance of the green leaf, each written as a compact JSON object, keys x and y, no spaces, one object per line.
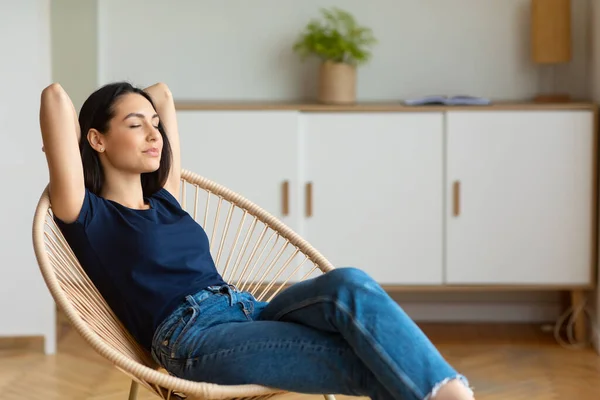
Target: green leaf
{"x":337,"y":37}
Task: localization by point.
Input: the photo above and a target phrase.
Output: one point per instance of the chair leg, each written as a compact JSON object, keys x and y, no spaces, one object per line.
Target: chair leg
{"x":329,"y":397}
{"x":133,"y":391}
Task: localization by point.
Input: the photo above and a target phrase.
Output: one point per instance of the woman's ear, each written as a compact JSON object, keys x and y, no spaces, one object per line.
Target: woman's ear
{"x":96,"y":140}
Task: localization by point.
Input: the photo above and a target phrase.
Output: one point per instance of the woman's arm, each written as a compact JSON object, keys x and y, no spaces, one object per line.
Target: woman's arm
{"x":165,"y":107}
{"x":60,"y":134}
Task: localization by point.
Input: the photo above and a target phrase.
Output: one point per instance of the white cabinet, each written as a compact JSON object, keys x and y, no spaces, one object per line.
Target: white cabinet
{"x":453,"y":197}
{"x":520,"y":197}
{"x":253,"y":153}
{"x":376,"y":192}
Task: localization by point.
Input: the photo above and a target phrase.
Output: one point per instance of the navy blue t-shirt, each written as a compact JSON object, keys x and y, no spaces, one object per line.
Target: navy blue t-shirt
{"x":143,"y":262}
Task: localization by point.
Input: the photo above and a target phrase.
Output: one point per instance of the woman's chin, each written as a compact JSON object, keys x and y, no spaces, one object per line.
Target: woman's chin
{"x":150,"y":167}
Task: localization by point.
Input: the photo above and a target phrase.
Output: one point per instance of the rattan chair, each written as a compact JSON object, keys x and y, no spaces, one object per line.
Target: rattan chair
{"x":252,"y":249}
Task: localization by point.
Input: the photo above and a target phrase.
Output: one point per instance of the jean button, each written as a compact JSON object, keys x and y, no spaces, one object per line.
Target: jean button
{"x":165,"y":342}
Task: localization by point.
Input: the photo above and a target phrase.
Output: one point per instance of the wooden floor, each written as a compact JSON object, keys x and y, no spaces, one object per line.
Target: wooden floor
{"x":502,"y":362}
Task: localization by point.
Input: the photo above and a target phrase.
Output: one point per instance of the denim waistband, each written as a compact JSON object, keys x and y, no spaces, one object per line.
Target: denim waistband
{"x":194,"y":299}
{"x":230,"y":290}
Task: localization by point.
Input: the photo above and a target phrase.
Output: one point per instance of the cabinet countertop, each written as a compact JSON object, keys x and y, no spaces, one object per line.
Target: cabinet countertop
{"x":372,"y":106}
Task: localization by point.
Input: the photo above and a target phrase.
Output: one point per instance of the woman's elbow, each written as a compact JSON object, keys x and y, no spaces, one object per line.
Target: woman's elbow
{"x":53,"y":93}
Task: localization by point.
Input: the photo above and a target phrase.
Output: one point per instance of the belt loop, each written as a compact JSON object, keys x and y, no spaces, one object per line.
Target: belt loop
{"x":190,"y":299}
{"x":231,"y":293}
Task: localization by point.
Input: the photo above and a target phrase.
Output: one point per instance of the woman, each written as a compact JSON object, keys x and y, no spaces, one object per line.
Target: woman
{"x":114,"y":179}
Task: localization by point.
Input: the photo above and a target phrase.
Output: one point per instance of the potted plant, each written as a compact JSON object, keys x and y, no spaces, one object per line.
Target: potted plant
{"x":341,"y":45}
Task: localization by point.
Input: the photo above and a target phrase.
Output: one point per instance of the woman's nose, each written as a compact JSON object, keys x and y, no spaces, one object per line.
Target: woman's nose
{"x":153,"y":133}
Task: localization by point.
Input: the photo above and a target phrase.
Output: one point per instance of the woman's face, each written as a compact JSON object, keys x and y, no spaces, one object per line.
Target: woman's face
{"x":133,"y":142}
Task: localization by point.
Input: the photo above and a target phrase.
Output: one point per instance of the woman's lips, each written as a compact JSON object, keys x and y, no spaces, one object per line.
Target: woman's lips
{"x":152,"y":152}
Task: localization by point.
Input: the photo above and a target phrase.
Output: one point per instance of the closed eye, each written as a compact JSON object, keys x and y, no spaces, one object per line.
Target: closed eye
{"x":141,"y":116}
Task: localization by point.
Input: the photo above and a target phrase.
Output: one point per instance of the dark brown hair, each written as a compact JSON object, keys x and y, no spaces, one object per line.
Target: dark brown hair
{"x":96,"y":113}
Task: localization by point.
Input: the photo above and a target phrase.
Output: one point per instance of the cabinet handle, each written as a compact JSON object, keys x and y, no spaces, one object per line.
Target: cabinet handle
{"x":285,"y":197}
{"x":309,"y":205}
{"x":456,"y":198}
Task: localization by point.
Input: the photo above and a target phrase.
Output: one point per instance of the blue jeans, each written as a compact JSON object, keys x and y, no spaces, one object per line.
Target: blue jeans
{"x":338,"y":333}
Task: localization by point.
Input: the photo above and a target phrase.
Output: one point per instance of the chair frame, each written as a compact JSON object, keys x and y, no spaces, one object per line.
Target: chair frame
{"x":133,"y":360}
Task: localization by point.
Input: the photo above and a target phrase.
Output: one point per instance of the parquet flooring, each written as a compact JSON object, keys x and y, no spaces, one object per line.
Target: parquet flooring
{"x":502,"y":362}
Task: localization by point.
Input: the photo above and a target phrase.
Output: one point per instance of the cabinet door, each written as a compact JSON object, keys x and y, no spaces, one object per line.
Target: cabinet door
{"x":520,"y":197}
{"x":377,"y":192}
{"x":253,"y":153}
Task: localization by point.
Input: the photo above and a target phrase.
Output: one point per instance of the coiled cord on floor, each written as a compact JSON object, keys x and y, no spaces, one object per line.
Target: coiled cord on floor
{"x":567,"y":321}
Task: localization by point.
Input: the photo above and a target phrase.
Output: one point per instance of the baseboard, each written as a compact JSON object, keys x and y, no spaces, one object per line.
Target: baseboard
{"x":483,"y":312}
{"x":471,"y":312}
{"x":426,"y":309}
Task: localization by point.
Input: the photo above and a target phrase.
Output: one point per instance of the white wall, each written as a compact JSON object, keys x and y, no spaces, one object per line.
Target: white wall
{"x":25,"y":303}
{"x":241,"y":50}
{"x":74,"y":49}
